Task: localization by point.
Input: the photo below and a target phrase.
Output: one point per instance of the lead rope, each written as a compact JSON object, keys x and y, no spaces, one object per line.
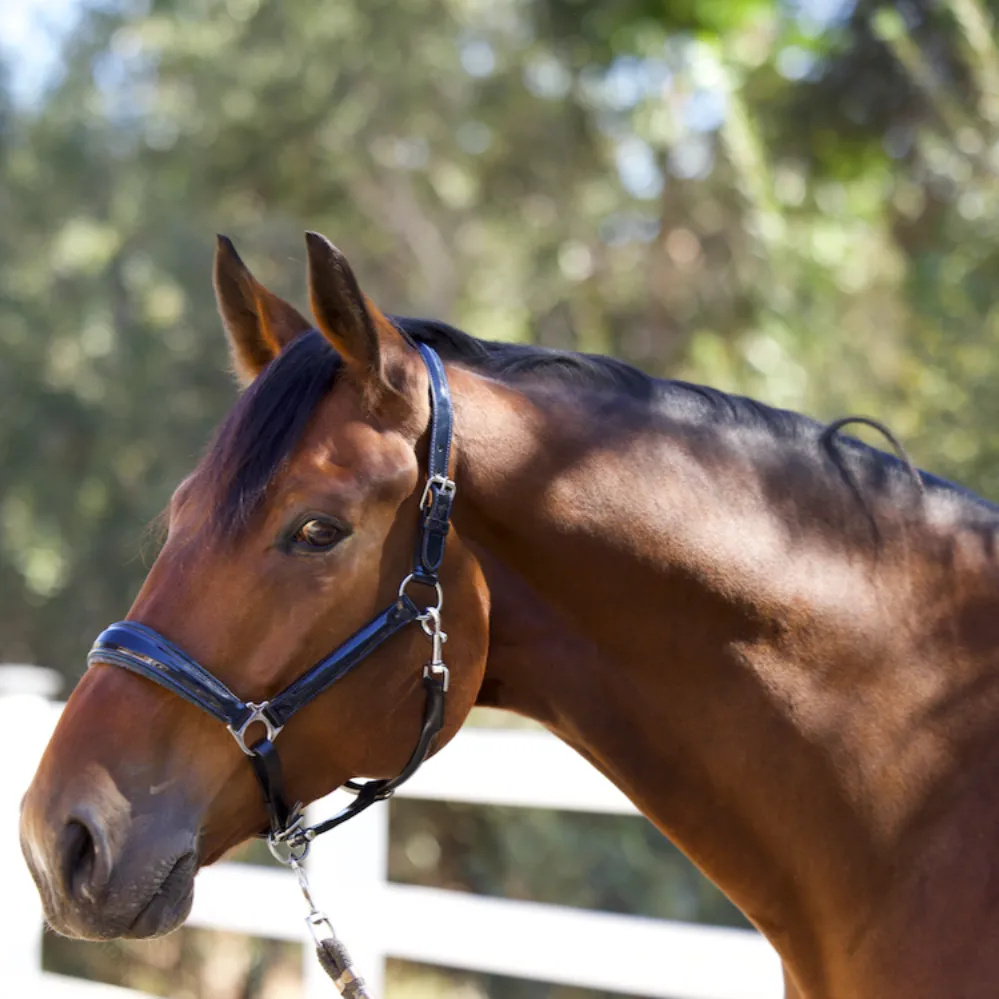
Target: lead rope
{"x":331,"y":953}
{"x":291,"y":846}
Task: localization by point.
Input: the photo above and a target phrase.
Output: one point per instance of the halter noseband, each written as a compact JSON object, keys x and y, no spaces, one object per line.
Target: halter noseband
{"x":142,"y":650}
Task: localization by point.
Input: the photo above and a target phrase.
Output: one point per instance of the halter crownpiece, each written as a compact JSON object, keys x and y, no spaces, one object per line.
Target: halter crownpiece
{"x":142,"y":650}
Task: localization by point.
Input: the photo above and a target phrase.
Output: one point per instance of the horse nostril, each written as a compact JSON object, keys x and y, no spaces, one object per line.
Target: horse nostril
{"x":85,"y":860}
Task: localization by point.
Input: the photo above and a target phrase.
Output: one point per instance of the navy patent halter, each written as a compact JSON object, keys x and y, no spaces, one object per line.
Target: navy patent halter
{"x":142,"y":650}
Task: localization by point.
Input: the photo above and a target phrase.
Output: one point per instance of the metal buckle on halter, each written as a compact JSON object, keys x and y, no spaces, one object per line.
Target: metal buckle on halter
{"x":447,"y":486}
{"x":430,"y":621}
{"x":291,"y":845}
{"x":438,"y":670}
{"x":414,"y":577}
{"x":259,"y":714}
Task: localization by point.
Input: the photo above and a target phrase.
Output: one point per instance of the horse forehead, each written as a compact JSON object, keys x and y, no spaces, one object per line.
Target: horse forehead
{"x":351,"y":443}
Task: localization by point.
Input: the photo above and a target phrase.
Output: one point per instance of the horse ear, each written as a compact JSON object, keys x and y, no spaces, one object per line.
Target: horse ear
{"x":369,"y":343}
{"x":257,"y":322}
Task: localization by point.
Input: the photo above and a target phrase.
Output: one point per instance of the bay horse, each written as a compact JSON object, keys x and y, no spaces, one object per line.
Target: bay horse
{"x":779,"y":644}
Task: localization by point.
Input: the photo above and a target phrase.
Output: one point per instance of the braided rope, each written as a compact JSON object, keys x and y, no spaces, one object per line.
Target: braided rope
{"x":337,"y":964}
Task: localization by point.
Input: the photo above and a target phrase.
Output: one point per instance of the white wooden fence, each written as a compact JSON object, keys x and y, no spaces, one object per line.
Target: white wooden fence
{"x":379,"y":919}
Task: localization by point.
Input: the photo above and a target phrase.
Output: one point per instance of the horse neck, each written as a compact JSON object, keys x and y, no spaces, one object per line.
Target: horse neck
{"x":746,"y":669}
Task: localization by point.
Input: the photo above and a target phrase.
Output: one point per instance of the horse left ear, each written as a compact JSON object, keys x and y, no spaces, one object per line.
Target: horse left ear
{"x":258,"y":324}
{"x":373,"y":349}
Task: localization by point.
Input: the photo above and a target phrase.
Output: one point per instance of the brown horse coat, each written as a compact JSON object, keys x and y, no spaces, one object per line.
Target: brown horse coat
{"x":773,"y":642}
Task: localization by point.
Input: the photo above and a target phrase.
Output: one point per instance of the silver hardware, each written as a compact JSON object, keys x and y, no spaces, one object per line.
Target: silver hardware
{"x":290,"y":851}
{"x":303,"y":884}
{"x":439,"y":669}
{"x":259,"y":714}
{"x":291,"y":845}
{"x":447,"y":486}
{"x":404,"y":585}
{"x":318,"y":922}
{"x":430,"y":621}
{"x":438,"y":639}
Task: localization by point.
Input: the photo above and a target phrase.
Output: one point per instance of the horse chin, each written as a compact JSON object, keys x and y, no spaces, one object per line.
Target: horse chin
{"x":170,"y":904}
{"x":161,"y":916}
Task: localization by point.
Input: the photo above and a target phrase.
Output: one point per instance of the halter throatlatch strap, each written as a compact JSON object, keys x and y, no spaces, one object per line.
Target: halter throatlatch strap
{"x":438,"y":495}
{"x":368,"y":792}
{"x":144,"y":651}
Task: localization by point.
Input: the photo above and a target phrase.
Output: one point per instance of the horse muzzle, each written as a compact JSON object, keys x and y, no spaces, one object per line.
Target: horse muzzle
{"x":104,"y":870}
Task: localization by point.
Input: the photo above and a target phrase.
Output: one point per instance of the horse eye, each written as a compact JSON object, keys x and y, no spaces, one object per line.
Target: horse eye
{"x":316,"y":536}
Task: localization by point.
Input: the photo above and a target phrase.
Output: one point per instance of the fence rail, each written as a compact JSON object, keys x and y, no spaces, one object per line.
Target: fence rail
{"x":379,"y":919}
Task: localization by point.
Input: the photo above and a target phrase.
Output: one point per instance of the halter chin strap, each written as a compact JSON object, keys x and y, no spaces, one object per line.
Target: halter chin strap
{"x":142,"y":650}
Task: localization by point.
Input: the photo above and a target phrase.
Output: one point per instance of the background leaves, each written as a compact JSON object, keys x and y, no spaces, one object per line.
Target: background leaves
{"x":794,"y":200}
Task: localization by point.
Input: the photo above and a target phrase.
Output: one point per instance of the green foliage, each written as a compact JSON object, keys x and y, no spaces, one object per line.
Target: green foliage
{"x":802,"y":208}
{"x":611,"y":863}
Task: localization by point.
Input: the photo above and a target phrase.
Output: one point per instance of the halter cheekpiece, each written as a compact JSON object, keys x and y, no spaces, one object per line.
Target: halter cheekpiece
{"x":142,"y":650}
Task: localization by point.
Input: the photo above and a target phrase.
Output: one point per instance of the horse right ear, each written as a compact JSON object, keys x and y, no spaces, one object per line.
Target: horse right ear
{"x":257,"y":322}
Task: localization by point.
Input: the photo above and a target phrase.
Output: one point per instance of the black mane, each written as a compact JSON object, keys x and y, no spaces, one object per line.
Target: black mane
{"x":266,"y":424}
{"x":592,"y":373}
{"x":262,"y":430}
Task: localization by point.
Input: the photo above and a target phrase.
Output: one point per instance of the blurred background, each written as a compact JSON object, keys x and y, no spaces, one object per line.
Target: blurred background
{"x":795,"y":200}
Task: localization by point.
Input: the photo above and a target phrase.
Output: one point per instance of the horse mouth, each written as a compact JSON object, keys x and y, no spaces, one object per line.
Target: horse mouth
{"x":170,"y":903}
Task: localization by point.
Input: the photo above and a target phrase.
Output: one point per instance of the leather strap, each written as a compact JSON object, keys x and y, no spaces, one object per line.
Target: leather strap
{"x":144,"y":651}
{"x":140,"y":649}
{"x":342,"y":660}
{"x":368,"y":792}
{"x":441,"y":414}
{"x":267,"y":766}
{"x":439,"y":495}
